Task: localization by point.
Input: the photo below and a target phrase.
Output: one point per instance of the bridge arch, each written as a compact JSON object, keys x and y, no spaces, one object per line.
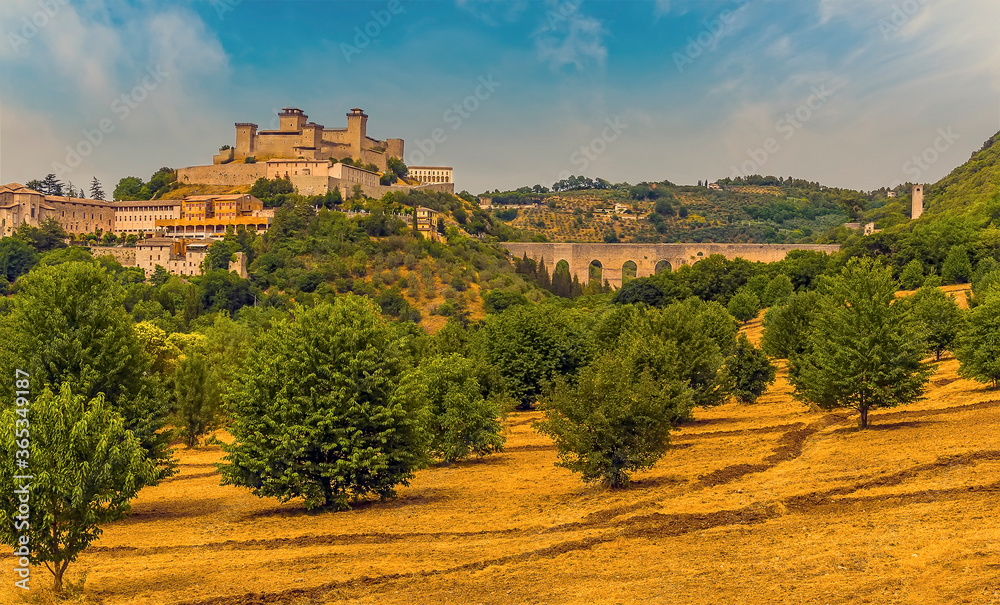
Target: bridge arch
{"x":661,"y":266}
{"x":630,"y":270}
{"x":595,"y":272}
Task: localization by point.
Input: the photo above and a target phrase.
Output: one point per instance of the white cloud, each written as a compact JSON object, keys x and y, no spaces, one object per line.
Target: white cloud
{"x":494,"y":12}
{"x":570,"y":38}
{"x":89,"y":61}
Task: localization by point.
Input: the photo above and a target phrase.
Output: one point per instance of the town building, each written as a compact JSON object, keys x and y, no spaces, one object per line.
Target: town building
{"x":207,"y":216}
{"x":19,"y":204}
{"x":139,"y":217}
{"x":314,"y":177}
{"x":425,"y":221}
{"x":179,"y":256}
{"x":431,"y":174}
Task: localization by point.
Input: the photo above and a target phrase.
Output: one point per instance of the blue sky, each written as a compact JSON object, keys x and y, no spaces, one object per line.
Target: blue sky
{"x":845,"y":92}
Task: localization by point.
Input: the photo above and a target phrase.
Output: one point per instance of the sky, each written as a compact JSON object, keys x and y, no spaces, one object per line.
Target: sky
{"x":851,"y":93}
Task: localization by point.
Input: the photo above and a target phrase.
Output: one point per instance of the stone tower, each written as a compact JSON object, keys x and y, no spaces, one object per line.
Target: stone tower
{"x":291,"y":119}
{"x":357,"y":126}
{"x":246,"y":135}
{"x":917,"y":205}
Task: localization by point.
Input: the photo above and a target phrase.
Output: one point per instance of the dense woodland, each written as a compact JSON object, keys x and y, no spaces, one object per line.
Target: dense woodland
{"x":321,"y":368}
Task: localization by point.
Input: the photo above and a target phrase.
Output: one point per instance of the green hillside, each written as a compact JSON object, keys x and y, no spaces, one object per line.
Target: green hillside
{"x":756,"y":209}
{"x":967,"y":193}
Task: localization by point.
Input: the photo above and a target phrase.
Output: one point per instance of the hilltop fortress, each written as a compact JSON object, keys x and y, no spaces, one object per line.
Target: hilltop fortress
{"x":309,"y":155}
{"x":297,"y":138}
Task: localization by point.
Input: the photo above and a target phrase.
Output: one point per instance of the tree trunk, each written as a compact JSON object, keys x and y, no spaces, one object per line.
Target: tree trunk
{"x":864,"y":417}
{"x":327,"y":493}
{"x":57,"y":575}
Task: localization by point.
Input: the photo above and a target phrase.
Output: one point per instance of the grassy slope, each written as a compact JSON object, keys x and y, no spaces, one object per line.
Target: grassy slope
{"x":769,"y":503}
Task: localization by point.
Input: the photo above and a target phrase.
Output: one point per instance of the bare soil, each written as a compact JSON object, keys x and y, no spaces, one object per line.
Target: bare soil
{"x":770,"y":503}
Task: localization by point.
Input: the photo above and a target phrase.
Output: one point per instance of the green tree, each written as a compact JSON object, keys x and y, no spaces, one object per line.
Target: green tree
{"x":786,"y":328}
{"x":529,"y":346}
{"x":941,"y":318}
{"x":192,"y":304}
{"x":86,"y":467}
{"x":978,"y":351}
{"x":692,"y":339}
{"x":751,"y":371}
{"x":397,"y":166}
{"x":617,"y":419}
{"x":129,"y":188}
{"x":49,"y":235}
{"x":777,"y":290}
{"x":863,"y":351}
{"x":16,"y":258}
{"x":956,"y":268}
{"x":219,"y":255}
{"x":744,"y":306}
{"x":460,"y":422}
{"x":96,"y":191}
{"x":312,"y":411}
{"x":69,"y":327}
{"x":912,"y":275}
{"x":498,"y":301}
{"x":52,"y":185}
{"x":196,"y":395}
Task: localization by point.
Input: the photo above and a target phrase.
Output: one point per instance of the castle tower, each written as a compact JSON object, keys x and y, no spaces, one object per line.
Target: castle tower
{"x":246,"y":133}
{"x":292,"y":119}
{"x":917,"y":204}
{"x":357,"y":127}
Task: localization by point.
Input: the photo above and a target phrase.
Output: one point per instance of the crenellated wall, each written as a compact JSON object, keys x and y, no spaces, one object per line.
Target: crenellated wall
{"x":646,"y":256}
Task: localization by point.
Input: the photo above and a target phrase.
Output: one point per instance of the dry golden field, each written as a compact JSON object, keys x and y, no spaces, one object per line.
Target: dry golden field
{"x":771,"y":503}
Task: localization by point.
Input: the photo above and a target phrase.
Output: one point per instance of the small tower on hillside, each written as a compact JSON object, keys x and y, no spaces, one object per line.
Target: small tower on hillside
{"x":357,"y":131}
{"x":917,"y":203}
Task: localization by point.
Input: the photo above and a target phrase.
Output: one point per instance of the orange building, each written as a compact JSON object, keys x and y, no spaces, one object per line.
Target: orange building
{"x":207,"y":216}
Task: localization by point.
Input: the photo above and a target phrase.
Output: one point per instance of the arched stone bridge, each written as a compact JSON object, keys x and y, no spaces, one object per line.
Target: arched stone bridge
{"x":646,"y":257}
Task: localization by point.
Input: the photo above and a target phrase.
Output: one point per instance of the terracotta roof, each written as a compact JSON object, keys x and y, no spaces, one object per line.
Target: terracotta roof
{"x":63,"y":199}
{"x":17,"y":187}
{"x":232,"y":196}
